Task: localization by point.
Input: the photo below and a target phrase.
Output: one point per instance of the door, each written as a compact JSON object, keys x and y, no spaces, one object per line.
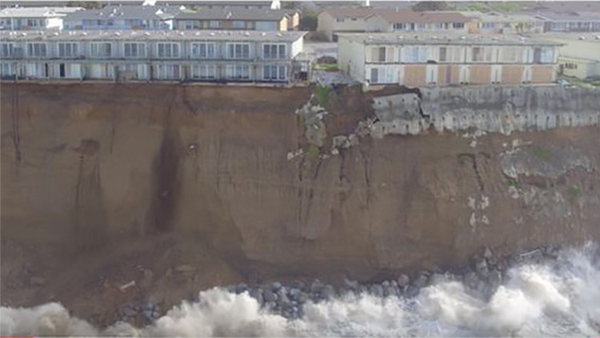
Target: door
{"x":374,"y":75}
{"x":448,"y":74}
{"x":62,"y":70}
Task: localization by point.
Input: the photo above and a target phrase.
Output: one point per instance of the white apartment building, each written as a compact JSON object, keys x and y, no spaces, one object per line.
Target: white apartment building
{"x":421,"y":59}
{"x":34,"y":18}
{"x":580,"y":54}
{"x":213,"y":56}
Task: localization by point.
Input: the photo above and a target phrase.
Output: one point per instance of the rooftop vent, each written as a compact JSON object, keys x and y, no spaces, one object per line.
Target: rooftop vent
{"x":182,"y":33}
{"x":263,"y":34}
{"x":147,"y":33}
{"x":246,"y":34}
{"x":197,"y":33}
{"x":212,"y":33}
{"x":279,"y":34}
{"x":117,"y":34}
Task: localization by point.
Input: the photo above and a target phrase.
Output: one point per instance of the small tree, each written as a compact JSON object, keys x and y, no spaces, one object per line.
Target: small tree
{"x":431,"y":6}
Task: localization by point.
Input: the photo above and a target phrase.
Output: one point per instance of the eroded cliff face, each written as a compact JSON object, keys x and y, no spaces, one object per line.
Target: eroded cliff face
{"x":196,"y":184}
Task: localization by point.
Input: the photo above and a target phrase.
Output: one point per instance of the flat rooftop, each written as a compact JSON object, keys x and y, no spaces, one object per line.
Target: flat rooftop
{"x":129,"y":35}
{"x":431,"y":38}
{"x":587,"y":37}
{"x":37,"y":12}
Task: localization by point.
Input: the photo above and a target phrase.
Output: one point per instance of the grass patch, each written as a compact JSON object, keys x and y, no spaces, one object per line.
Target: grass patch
{"x":574,"y":192}
{"x":322,"y":92}
{"x":313,"y":151}
{"x":512,"y":182}
{"x":327,"y":67}
{"x":543,"y":153}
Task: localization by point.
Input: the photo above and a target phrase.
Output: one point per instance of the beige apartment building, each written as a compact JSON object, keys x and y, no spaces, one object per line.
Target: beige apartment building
{"x":579,"y":56}
{"x":253,"y":19}
{"x":422,"y":59}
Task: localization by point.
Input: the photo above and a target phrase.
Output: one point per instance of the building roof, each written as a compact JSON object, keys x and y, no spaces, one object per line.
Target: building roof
{"x":126,"y":13}
{"x":501,"y":17}
{"x":568,"y":16}
{"x":37,"y":12}
{"x":350,"y":12}
{"x":586,"y":37}
{"x":234,"y":13}
{"x":430,"y":38}
{"x":565,"y":6}
{"x":410,"y":16}
{"x":168,"y":35}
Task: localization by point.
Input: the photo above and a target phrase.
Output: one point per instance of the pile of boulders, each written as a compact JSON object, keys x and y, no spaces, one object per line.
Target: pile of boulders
{"x":482,"y":277}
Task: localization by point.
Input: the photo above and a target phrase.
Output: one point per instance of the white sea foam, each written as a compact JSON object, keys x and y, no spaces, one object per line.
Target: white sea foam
{"x":560,"y":299}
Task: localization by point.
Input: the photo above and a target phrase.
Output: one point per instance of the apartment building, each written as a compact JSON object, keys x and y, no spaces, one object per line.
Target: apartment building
{"x":579,"y":55}
{"x":421,"y":59}
{"x":238,"y":19}
{"x":34,"y":18}
{"x":213,"y":56}
{"x":123,"y":18}
{"x":568,"y":22}
{"x":407,"y":20}
{"x":334,"y":20}
{"x":504,"y":23}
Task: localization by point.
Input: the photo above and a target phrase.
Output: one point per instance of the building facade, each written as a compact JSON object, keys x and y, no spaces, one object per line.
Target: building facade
{"x":502,"y":23}
{"x":34,"y":18}
{"x":336,"y":20}
{"x":122,"y":18}
{"x":407,"y":20}
{"x":426,"y":59}
{"x":238,"y":19}
{"x":212,"y":56}
{"x":569,"y":22}
{"x":579,"y":55}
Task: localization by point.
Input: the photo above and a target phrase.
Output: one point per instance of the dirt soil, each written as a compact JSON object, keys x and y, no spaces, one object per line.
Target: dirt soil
{"x":182,"y":187}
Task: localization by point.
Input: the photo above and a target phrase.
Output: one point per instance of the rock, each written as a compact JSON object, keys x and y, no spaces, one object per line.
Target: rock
{"x":376,"y":290}
{"x":411,"y":291}
{"x":495,"y":278}
{"x":436,"y":278}
{"x":302,"y":297}
{"x":470,"y":279}
{"x":269,"y":296}
{"x":129,"y":310}
{"x":283,"y":301}
{"x":241,"y":288}
{"x":403,"y":280}
{"x":276,"y":286}
{"x":258,"y":295}
{"x":316,"y":286}
{"x":487,"y":254}
{"x":37,"y":281}
{"x":185,"y":268}
{"x":328,"y":292}
{"x":351,"y":285}
{"x":482,"y":269}
{"x":421,"y":280}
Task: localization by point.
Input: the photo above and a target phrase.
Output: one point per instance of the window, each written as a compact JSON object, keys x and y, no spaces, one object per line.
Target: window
{"x":36,"y":49}
{"x":570,"y":66}
{"x":203,"y":50}
{"x":134,"y":50}
{"x":274,"y":73}
{"x":204,"y":72}
{"x":6,"y":49}
{"x":481,"y":54}
{"x":274,"y":51}
{"x":458,"y":25}
{"x":191,"y":24}
{"x":67,"y":49}
{"x":34,"y":23}
{"x":168,"y":50}
{"x":238,"y":72}
{"x":488,"y":25}
{"x":340,"y":20}
{"x":214,"y":24}
{"x":378,"y":54}
{"x":399,"y":26}
{"x":239,"y":24}
{"x":101,"y":49}
{"x":168,"y":72}
{"x":443,"y":56}
{"x":416,"y":53}
{"x":238,"y":51}
{"x":6,"y":69}
{"x":374,"y":75}
{"x":543,"y":55}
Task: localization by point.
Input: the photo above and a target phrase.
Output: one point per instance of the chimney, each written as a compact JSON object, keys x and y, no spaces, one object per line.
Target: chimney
{"x":367,"y":3}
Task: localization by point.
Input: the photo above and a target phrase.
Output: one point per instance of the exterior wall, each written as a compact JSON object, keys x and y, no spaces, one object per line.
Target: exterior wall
{"x":294,"y":22}
{"x":572,"y":25}
{"x":37,"y":23}
{"x":185,"y":66}
{"x":398,"y":64}
{"x":542,"y":74}
{"x":415,"y":75}
{"x":580,"y":68}
{"x":351,"y":58}
{"x":283,"y":25}
{"x":330,"y":25}
{"x":94,"y":24}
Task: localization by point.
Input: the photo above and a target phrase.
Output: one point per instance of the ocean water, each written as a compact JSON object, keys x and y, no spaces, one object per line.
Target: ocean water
{"x":558,"y":298}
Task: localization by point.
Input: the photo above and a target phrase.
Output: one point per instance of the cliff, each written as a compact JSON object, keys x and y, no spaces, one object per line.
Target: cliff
{"x":196,"y":185}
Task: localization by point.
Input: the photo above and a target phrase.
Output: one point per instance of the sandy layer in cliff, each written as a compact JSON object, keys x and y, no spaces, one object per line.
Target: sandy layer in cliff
{"x":183,"y":187}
